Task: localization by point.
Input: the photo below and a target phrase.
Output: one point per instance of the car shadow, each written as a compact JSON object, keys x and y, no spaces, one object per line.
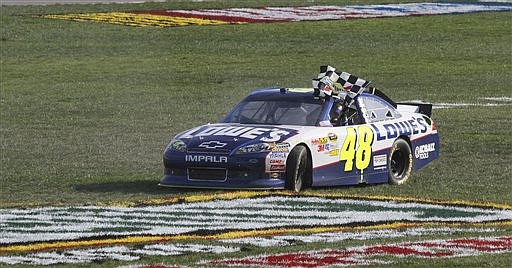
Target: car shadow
{"x":151,"y":187}
{"x":130,"y":187}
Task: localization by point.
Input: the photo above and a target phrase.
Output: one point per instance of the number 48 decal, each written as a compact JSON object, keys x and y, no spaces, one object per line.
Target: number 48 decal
{"x":358,"y":147}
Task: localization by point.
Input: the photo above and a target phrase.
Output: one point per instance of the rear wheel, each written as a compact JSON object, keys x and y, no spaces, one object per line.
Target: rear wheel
{"x":400,"y":162}
{"x":298,"y":169}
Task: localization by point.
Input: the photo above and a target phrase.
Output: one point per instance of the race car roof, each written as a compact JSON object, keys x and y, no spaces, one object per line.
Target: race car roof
{"x":277,"y":94}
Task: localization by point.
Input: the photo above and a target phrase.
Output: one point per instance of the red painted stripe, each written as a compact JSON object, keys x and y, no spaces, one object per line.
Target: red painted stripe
{"x":231,"y":19}
{"x":404,"y":251}
{"x":366,"y":255}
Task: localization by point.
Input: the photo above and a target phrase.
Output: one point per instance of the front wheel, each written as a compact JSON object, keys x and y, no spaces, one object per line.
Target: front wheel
{"x":298,"y":169}
{"x":400,"y":162}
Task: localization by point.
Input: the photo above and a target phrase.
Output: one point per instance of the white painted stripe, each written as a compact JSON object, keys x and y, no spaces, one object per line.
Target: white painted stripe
{"x":498,"y":102}
{"x":502,"y":99}
{"x":57,"y":223}
{"x":313,"y":13}
{"x":121,"y":253}
{"x":127,"y":253}
{"x":444,"y":105}
{"x":495,"y":1}
{"x":330,"y":237}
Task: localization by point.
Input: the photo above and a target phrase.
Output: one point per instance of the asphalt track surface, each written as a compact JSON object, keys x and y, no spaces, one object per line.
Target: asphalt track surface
{"x":67,"y":2}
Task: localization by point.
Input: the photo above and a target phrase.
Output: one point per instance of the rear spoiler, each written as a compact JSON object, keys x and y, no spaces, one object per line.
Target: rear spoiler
{"x":415,"y":107}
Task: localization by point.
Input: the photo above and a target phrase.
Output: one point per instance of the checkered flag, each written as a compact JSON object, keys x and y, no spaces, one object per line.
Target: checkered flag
{"x":330,"y":82}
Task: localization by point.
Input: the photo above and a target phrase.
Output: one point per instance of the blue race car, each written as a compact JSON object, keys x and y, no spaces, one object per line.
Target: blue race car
{"x":340,"y":132}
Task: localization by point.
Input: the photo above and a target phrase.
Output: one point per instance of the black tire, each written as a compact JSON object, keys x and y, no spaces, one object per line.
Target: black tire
{"x":298,"y":169}
{"x":400,"y":162}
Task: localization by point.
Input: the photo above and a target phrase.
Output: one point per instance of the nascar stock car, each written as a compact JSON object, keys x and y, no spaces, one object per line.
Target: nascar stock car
{"x":340,"y":132}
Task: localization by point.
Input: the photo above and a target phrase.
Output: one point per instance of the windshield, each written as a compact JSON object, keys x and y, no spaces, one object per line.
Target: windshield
{"x":279,"y":112}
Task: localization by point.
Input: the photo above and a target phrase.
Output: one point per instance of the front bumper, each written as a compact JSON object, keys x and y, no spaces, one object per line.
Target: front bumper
{"x":219,"y":172}
{"x":221,"y":178}
{"x":184,"y":182}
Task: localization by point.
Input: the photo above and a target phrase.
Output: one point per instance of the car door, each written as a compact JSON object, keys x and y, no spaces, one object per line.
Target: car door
{"x":342,"y":153}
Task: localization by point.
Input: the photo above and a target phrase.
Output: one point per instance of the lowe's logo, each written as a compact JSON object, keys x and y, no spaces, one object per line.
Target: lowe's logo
{"x":212,"y":144}
{"x":206,"y":158}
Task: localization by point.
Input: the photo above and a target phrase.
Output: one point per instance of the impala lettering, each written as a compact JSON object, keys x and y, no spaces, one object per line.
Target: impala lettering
{"x":206,"y":158}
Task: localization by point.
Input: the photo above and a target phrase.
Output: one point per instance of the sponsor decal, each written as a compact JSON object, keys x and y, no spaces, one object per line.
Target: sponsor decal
{"x":320,"y":141}
{"x":380,"y":161}
{"x":277,"y":161}
{"x":206,"y":158}
{"x":406,"y":127}
{"x":324,"y":147}
{"x":251,"y":133}
{"x":280,"y":147}
{"x":421,"y":151}
{"x":334,"y":152}
{"x":326,"y":144}
{"x":213,"y":144}
{"x":332,"y":137}
{"x":278,"y":155}
{"x":277,"y":168}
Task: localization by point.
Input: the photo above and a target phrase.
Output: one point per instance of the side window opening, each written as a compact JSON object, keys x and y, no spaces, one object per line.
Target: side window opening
{"x":378,"y":110}
{"x":349,"y":116}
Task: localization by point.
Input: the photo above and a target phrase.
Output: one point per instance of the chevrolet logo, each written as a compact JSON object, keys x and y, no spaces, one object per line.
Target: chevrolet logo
{"x":212,"y":144}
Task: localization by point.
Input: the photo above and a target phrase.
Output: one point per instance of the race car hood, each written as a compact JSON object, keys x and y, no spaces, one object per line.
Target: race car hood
{"x":229,"y":136}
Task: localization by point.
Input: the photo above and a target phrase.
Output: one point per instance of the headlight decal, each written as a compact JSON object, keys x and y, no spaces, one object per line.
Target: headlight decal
{"x":178,"y":146}
{"x":254,"y":148}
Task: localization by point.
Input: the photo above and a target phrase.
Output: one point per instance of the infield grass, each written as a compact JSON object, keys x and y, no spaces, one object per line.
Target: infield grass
{"x":87,"y":108}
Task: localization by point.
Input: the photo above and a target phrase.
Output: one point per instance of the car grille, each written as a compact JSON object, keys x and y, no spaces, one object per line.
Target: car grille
{"x":211,"y":174}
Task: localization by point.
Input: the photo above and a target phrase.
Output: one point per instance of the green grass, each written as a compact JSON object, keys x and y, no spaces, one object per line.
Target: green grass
{"x":87,"y":108}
